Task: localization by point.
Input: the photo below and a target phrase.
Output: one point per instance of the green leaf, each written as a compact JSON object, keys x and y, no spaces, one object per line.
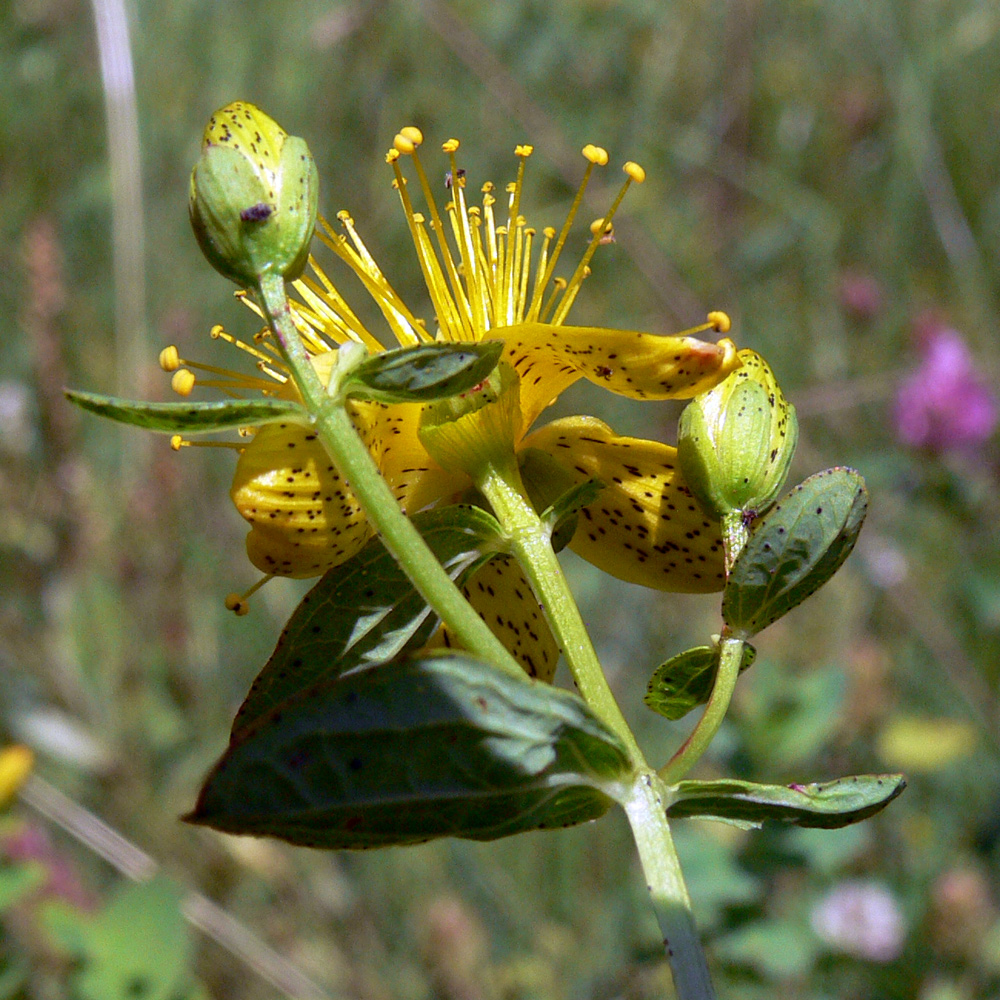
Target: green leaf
{"x":685,"y":680}
{"x":366,"y":610}
{"x":828,"y":804}
{"x":423,"y":373}
{"x":794,"y":549}
{"x":190,"y":418}
{"x":414,"y":749}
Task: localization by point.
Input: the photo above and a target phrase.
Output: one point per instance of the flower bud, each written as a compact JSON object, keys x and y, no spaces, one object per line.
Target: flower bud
{"x":253,"y":196}
{"x":735,"y":442}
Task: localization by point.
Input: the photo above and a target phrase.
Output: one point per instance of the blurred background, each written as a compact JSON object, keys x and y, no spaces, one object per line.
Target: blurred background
{"x":827,"y":171}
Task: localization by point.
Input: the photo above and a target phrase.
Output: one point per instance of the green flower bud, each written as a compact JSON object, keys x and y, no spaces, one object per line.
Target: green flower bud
{"x":253,"y":196}
{"x":736,"y":441}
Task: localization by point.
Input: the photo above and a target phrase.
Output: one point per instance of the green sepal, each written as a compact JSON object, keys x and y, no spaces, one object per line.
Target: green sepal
{"x":402,"y":752}
{"x":366,"y":610}
{"x":685,"y":680}
{"x":794,"y":549}
{"x":827,"y":804}
{"x":190,"y":418}
{"x":423,"y":373}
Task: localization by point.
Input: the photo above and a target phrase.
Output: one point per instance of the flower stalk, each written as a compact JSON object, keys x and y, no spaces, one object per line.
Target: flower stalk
{"x":340,"y":438}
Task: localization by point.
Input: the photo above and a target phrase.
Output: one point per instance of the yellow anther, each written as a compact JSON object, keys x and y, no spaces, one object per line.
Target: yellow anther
{"x":418,"y":218}
{"x":392,"y":156}
{"x":523,"y":151}
{"x":487,"y":187}
{"x":474,"y":211}
{"x":236,"y":604}
{"x":598,"y":224}
{"x":635,"y":171}
{"x":170,"y":360}
{"x":720,"y":321}
{"x":177,"y":442}
{"x":511,"y":188}
{"x":449,"y":145}
{"x":403,"y":145}
{"x":217,"y":331}
{"x":549,"y":233}
{"x":343,"y":215}
{"x":596,"y":154}
{"x":182,"y":382}
{"x":239,"y":604}
{"x":412,"y":133}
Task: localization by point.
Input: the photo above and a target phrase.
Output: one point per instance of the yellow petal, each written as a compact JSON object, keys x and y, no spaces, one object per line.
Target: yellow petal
{"x":550,"y":358}
{"x":504,"y":600}
{"x":303,"y":517}
{"x":415,"y":479}
{"x":645,"y":527}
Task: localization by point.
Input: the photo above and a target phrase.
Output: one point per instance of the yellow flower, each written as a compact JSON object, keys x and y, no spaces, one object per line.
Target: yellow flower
{"x":489,"y":275}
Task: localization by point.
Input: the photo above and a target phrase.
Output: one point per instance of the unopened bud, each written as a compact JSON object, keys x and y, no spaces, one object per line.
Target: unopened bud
{"x":735,"y":442}
{"x":253,"y":196}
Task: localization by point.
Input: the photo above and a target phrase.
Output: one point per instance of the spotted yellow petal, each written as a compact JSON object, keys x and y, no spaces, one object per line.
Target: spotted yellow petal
{"x":645,"y":527}
{"x":303,"y":517}
{"x":415,"y":479}
{"x":504,"y":600}
{"x":548,"y":359}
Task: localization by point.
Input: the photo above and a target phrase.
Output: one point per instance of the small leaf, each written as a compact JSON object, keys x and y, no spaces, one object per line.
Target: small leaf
{"x":685,"y":680}
{"x":425,"y":372}
{"x":190,"y":418}
{"x":828,"y":804}
{"x":366,"y":610}
{"x":794,"y":549}
{"x":555,"y":494}
{"x":397,"y":753}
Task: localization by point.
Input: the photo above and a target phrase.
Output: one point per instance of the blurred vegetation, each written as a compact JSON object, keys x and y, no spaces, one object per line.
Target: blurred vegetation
{"x":827,"y":171}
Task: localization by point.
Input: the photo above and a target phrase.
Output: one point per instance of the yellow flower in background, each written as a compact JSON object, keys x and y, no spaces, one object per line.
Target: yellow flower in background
{"x":489,"y":275}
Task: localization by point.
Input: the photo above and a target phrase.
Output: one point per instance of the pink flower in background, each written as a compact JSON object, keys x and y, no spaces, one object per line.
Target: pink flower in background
{"x":946,"y":404}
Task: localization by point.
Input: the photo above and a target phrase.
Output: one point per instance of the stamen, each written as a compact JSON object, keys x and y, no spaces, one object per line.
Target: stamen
{"x":177,"y":442}
{"x":593,"y":155}
{"x":182,"y":382}
{"x":717,"y":321}
{"x":632,"y":171}
{"x":239,"y":603}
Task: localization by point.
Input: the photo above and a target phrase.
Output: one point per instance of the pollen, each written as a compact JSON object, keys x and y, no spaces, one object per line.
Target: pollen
{"x":524,"y":151}
{"x":720,"y":321}
{"x":182,"y":382}
{"x":170,"y":360}
{"x":634,"y":171}
{"x":596,"y":154}
{"x":450,"y":146}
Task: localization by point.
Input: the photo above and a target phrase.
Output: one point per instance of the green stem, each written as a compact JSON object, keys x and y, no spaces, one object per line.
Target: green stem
{"x":337,"y":433}
{"x":647,"y":815}
{"x":730,"y":656}
{"x":530,"y":542}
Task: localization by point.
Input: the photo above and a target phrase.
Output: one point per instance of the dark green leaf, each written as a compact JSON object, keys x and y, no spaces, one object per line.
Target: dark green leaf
{"x":828,"y":804}
{"x":425,"y":372}
{"x":685,"y":680}
{"x":794,"y":549}
{"x":418,"y":748}
{"x":366,"y":610}
{"x":190,"y":418}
